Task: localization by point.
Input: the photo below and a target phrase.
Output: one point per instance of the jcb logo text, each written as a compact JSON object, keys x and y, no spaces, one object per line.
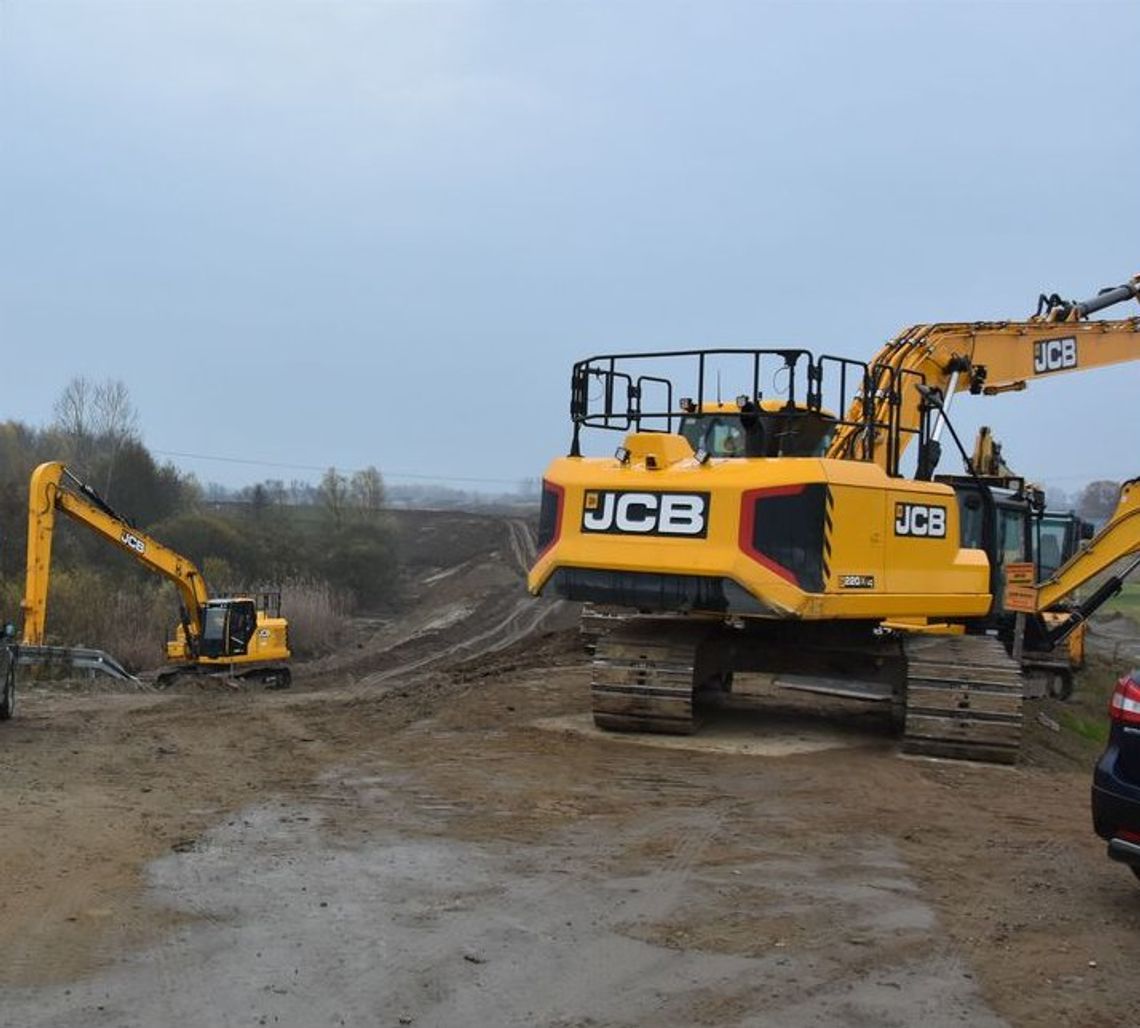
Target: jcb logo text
{"x":917,"y":519}
{"x":1054,"y":355}
{"x":134,"y":542}
{"x":684,"y":514}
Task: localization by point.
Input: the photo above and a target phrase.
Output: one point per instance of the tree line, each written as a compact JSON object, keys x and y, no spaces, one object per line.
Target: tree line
{"x":338,"y":538}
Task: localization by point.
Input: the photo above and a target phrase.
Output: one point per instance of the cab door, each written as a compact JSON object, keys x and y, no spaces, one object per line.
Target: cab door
{"x":228,"y":627}
{"x":1012,"y":544}
{"x":242,"y":622}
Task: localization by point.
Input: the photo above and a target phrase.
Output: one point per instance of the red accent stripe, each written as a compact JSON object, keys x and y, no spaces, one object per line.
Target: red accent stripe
{"x":748,"y":523}
{"x":561,"y":493}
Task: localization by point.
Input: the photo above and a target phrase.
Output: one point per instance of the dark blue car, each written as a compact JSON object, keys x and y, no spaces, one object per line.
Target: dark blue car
{"x":1116,"y":780}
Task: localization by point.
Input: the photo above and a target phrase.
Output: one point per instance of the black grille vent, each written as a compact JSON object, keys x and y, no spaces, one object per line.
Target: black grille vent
{"x":787,"y":529}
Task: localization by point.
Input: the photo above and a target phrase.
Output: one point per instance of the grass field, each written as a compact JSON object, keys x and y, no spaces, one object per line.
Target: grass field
{"x":1128,"y":602}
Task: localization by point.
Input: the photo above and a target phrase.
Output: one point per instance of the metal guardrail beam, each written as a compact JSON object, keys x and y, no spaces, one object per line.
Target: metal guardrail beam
{"x":79,"y":658}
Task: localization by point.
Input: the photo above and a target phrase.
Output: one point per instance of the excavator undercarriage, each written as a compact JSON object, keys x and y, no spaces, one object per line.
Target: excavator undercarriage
{"x":951,"y":696}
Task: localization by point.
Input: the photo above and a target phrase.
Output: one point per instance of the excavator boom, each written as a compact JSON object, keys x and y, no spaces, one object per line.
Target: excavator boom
{"x":1117,"y":539}
{"x":989,"y":358}
{"x":47,"y":494}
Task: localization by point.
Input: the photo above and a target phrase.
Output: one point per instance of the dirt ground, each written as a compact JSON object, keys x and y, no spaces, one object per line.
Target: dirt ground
{"x":426,"y":831}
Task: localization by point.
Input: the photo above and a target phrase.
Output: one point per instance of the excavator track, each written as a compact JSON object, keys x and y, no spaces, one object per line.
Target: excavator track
{"x":642,"y":678}
{"x":963,"y":699}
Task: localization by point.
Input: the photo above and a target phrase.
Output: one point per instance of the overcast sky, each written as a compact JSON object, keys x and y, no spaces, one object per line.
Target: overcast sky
{"x":380,"y":233}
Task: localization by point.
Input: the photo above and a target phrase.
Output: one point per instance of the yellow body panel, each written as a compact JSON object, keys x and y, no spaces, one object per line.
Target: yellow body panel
{"x":269,"y":642}
{"x":929,"y":577}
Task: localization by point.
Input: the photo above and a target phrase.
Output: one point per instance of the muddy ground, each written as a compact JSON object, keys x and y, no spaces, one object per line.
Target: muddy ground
{"x":426,"y":831}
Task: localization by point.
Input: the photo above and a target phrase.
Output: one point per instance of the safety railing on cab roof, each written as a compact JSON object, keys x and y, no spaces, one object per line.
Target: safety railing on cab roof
{"x":266,"y":599}
{"x":652,"y":392}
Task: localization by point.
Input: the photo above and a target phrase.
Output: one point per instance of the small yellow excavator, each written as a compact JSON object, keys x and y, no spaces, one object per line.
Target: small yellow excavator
{"x":790,"y":531}
{"x":238,"y":636}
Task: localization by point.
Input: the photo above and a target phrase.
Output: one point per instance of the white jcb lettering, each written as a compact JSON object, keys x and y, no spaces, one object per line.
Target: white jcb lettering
{"x":600,"y":520}
{"x":1054,"y":355}
{"x":640,"y":513}
{"x":134,"y":542}
{"x":920,"y":520}
{"x":636,"y":512}
{"x":682,"y":515}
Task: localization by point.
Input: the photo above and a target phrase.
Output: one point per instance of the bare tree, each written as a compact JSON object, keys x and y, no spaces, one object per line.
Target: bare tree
{"x":96,"y":420}
{"x":74,"y":415}
{"x":116,"y":422}
{"x":334,"y":494}
{"x":115,"y":414}
{"x":367,"y":490}
{"x":276,"y":492}
{"x":1097,"y":500}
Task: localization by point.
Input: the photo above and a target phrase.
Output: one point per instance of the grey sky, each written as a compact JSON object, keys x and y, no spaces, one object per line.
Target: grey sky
{"x":380,"y":233}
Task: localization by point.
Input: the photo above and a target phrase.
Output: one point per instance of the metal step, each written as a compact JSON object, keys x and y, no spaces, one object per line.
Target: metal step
{"x":845,"y":688}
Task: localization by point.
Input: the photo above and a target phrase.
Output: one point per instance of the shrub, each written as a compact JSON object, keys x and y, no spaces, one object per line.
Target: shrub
{"x":130,"y":621}
{"x":317,"y":616}
{"x":361,"y":558}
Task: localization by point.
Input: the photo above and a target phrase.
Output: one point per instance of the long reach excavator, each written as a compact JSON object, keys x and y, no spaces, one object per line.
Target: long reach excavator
{"x":794,"y":531}
{"x":233,"y":635}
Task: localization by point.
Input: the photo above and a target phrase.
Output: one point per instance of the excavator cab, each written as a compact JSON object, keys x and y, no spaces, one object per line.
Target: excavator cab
{"x":1006,"y":519}
{"x":227,"y":627}
{"x":775,"y":429}
{"x":1059,"y":536}
{"x":997,"y":520}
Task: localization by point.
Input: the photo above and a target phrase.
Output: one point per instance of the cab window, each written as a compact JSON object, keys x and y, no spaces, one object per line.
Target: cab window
{"x":214,"y":628}
{"x":721,"y":436}
{"x":1051,"y":546}
{"x":1011,"y":536}
{"x":791,"y":434}
{"x":972,"y":520}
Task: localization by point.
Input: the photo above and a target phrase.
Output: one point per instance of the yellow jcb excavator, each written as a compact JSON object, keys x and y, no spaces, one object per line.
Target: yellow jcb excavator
{"x":792,"y":550}
{"x":241,"y":636}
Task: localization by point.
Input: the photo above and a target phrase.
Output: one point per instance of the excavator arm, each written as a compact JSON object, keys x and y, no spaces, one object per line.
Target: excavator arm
{"x":1119,"y":538}
{"x":54,"y":488}
{"x":987,"y":358}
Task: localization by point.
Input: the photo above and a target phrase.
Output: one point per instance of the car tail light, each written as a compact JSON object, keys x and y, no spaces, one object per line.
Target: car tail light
{"x":1124,"y":707}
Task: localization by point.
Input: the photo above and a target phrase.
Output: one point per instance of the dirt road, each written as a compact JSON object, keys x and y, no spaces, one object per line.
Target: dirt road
{"x":448,"y":845}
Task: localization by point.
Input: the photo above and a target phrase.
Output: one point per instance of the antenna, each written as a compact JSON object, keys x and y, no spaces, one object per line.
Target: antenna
{"x":718,"y":387}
